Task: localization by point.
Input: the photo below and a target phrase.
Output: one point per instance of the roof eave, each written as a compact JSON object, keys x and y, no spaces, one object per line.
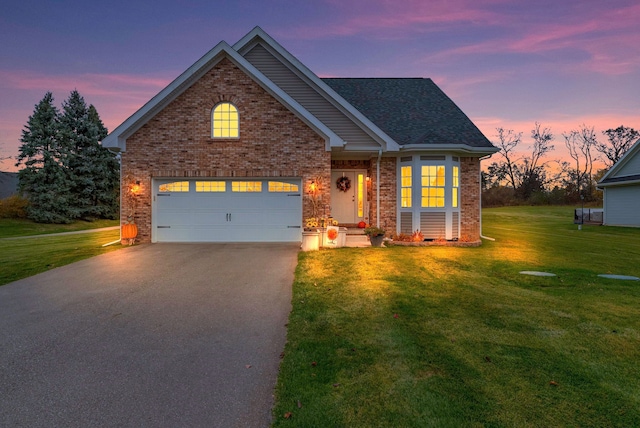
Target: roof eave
{"x":618,"y":183}
{"x":621,"y":162}
{"x":458,"y":148}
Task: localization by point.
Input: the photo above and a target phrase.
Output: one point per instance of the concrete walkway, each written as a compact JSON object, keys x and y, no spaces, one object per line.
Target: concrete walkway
{"x":162,"y":335}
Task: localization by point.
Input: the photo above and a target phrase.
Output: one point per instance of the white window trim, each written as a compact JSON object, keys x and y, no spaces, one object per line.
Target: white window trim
{"x":416,"y":176}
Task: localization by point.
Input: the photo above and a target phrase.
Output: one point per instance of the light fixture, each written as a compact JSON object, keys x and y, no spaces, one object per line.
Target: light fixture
{"x":135,"y":188}
{"x":313,"y":187}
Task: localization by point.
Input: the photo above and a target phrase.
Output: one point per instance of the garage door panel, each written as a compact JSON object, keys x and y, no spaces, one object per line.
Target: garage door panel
{"x":228,"y":216}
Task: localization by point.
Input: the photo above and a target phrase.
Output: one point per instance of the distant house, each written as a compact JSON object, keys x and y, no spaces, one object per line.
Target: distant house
{"x":8,"y":184}
{"x":621,"y":186}
{"x":229,"y":151}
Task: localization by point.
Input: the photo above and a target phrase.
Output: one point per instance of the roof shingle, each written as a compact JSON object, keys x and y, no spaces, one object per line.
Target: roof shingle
{"x":410,"y":110}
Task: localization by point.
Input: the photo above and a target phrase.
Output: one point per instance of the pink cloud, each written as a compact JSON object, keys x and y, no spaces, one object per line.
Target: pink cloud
{"x":88,"y":84}
{"x":394,"y":19}
{"x":612,"y":48}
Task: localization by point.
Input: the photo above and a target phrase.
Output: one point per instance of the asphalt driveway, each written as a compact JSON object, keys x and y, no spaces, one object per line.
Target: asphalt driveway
{"x":171,"y":335}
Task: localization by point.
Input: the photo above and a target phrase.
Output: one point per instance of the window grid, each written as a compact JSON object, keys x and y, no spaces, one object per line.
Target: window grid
{"x":225,"y":121}
{"x":406,"y":184}
{"x":433,"y":180}
{"x":280,"y":186}
{"x":455,"y":184}
{"x":176,"y":186}
{"x":246,"y":186}
{"x":360,"y":195}
{"x":211,"y":186}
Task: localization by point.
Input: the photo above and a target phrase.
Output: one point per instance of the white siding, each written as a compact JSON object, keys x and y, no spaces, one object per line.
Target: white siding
{"x":433,"y":225}
{"x":311,"y":100}
{"x":622,"y":206}
{"x":632,"y":167}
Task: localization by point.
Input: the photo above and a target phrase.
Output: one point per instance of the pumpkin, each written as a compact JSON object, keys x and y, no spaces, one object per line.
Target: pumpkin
{"x":362,"y":225}
{"x":129,"y":231}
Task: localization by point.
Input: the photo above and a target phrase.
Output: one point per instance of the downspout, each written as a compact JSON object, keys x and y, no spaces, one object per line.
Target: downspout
{"x":480,"y":193}
{"x":378,"y":188}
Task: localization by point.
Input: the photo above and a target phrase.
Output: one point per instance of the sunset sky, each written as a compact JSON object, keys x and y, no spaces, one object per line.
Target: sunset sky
{"x":506,"y":63}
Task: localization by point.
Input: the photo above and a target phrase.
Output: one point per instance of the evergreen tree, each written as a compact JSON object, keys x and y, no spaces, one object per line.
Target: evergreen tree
{"x":93,"y":170}
{"x":43,"y":180}
{"x":107,"y":177}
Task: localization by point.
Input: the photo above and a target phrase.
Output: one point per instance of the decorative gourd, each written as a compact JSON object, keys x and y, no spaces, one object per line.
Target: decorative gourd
{"x":129,"y":231}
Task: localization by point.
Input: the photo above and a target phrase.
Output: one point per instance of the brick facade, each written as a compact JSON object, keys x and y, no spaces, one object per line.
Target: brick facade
{"x":273,"y":142}
{"x":177,"y":142}
{"x":470,"y":199}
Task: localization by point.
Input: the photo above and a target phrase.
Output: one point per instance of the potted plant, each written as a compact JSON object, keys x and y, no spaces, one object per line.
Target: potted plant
{"x":311,"y":235}
{"x":375,"y":234}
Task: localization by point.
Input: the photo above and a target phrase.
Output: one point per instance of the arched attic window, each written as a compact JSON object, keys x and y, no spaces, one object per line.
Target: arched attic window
{"x":225,"y":122}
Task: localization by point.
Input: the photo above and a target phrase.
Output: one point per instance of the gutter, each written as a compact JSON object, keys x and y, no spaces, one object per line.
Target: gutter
{"x":378,"y":188}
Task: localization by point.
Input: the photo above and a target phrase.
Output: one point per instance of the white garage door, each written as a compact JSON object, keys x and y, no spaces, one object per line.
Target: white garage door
{"x":227,"y":210}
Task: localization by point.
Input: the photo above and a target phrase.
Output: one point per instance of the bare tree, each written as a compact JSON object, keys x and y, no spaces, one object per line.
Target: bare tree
{"x":508,"y":142}
{"x":620,"y":140}
{"x":532,"y":170}
{"x":525,"y":174}
{"x":580,"y":144}
{"x":541,"y":139}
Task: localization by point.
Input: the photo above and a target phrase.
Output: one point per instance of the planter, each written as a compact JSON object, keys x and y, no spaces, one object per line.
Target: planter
{"x":342,"y":237}
{"x":376,"y":241}
{"x":330,"y":237}
{"x":310,"y":240}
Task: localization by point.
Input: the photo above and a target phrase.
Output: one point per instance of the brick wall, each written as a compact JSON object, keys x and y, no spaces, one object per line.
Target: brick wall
{"x":388,"y":198}
{"x":470,"y":199}
{"x":177,"y":141}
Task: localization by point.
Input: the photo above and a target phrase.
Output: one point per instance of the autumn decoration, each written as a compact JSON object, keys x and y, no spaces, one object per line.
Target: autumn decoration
{"x":129,"y":229}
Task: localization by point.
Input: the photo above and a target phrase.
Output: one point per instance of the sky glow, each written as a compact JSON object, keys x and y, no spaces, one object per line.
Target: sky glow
{"x":506,"y":63}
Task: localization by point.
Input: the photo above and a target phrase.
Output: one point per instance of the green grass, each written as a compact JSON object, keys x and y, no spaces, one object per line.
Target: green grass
{"x":10,"y":227}
{"x":452,"y":337}
{"x":20,"y":258}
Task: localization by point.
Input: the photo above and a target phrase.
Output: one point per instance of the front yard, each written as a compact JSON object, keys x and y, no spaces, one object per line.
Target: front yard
{"x":23,"y":257}
{"x":441,"y":336}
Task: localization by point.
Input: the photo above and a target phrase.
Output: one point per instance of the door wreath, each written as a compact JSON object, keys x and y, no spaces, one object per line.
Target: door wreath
{"x":343,"y":184}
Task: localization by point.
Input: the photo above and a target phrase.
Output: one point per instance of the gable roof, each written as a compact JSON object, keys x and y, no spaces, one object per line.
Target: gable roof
{"x":413,"y":111}
{"x":258,"y":35}
{"x":117,"y":138}
{"x":615,"y":175}
{"x":398,"y":113}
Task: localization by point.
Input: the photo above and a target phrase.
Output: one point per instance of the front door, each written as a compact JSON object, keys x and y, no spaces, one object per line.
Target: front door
{"x":348,"y":190}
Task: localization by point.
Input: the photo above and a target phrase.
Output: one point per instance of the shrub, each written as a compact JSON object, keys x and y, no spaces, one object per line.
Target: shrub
{"x":13,"y":207}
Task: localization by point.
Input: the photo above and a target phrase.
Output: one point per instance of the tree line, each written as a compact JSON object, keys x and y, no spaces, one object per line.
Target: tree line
{"x":526,"y":175}
{"x":66,"y":173}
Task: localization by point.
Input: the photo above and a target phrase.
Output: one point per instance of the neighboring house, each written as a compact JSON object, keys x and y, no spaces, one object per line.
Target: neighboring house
{"x":621,"y":186}
{"x":230,"y":149}
{"x":8,"y":184}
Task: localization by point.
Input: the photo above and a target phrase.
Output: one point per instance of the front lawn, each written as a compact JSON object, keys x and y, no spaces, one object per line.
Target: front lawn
{"x":452,"y":337}
{"x":20,"y":258}
{"x":10,"y":227}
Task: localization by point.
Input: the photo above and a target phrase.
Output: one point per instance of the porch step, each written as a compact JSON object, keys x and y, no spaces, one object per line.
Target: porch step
{"x":357,"y":240}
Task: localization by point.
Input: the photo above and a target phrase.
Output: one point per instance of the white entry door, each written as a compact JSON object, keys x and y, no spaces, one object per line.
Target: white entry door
{"x":348,"y":196}
{"x":227,"y":210}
